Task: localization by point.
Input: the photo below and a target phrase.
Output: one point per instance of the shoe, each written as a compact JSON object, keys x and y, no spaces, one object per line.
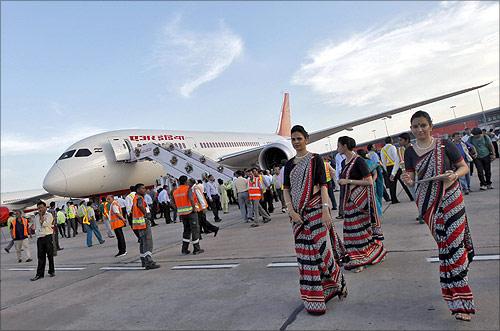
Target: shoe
{"x":218,"y":220}
{"x":186,"y":252}
{"x":339,"y":217}
{"x":121,"y":254}
{"x":198,"y":251}
{"x":489,"y":187}
{"x":111,"y":236}
{"x":215,"y":232}
{"x":466,"y":192}
{"x":394,"y":202}
{"x":283,"y":210}
{"x":102,"y":242}
{"x":89,"y":245}
{"x":52,"y":274}
{"x":29,"y":260}
{"x":7,"y":250}
{"x":60,"y":248}
{"x":483,"y":188}
{"x":152,"y":266}
{"x":19,"y":261}
{"x":267,"y":220}
{"x":254,"y":225}
{"x":36,"y":278}
{"x":154,"y":224}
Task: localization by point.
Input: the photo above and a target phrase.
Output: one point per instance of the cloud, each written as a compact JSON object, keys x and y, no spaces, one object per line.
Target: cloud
{"x":455,"y":46}
{"x":190,"y":59}
{"x":18,"y":144}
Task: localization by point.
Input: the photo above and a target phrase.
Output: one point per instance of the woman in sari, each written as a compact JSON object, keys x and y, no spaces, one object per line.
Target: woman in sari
{"x":318,"y":248}
{"x":434,"y":165}
{"x":362,"y":227}
{"x":378,"y":179}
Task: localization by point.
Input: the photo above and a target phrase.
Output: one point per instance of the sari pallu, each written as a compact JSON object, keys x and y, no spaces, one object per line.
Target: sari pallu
{"x":362,"y":226}
{"x":444,"y":212}
{"x":320,"y":274}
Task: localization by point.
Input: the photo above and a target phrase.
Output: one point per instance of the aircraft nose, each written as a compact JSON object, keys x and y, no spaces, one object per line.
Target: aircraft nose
{"x":55,"y":181}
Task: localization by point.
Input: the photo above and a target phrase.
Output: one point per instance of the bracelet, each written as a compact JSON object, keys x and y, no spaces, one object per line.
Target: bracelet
{"x":350,"y":181}
{"x":325,"y":205}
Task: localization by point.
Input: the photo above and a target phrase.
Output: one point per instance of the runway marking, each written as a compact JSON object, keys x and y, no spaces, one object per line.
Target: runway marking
{"x":56,"y":269}
{"x":205,"y":266}
{"x":282,"y":264}
{"x":122,"y":268}
{"x":476,"y":258}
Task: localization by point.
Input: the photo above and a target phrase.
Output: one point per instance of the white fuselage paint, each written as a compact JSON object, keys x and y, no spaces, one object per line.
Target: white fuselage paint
{"x":99,"y":173}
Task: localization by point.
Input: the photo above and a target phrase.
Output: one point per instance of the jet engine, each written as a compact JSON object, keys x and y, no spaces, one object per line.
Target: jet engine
{"x":273,"y":153}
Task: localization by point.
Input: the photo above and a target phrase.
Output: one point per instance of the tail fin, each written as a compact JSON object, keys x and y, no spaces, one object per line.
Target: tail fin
{"x":284,"y":125}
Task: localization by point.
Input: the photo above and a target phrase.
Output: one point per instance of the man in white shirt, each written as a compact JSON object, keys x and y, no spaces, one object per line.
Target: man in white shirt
{"x":43,"y":223}
{"x":390,"y":161}
{"x":278,"y":186}
{"x":164,"y":201}
{"x":149,"y":202}
{"x":213,"y":197}
{"x":267,"y":180}
{"x":129,"y":201}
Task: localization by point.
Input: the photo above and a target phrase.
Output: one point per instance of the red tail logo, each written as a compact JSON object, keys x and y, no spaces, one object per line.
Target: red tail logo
{"x":284,"y":125}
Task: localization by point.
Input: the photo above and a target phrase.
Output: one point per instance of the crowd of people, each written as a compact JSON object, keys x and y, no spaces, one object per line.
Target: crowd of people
{"x":433,"y":172}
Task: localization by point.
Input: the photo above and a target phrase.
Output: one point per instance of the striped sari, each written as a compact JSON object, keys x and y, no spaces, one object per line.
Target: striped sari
{"x":362,"y":226}
{"x":443,"y":211}
{"x":319,"y":250}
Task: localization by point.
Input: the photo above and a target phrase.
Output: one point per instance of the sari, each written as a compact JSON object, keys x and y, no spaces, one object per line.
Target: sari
{"x":319,"y":250}
{"x":443,"y":211}
{"x":378,"y":184}
{"x":362,"y":226}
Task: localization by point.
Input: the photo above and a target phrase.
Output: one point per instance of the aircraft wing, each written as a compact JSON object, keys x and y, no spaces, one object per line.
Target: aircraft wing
{"x":318,"y":135}
{"x":248,"y":157}
{"x":22,"y":203}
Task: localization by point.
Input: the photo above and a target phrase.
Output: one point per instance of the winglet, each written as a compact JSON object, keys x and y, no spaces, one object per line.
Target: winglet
{"x":284,"y":125}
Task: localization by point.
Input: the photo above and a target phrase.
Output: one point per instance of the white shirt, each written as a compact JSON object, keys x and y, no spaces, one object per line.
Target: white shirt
{"x":163,"y":197}
{"x":374,"y":157}
{"x":279,"y":179}
{"x":45,"y":229}
{"x":148,"y":199}
{"x":393,"y":154}
{"x":122,"y":202}
{"x":211,"y":189}
{"x":129,"y":201}
{"x":267,"y":180}
{"x":465,"y":138}
{"x":338,"y":164}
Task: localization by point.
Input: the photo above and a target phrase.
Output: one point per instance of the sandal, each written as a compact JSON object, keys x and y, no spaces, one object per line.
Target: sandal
{"x":358,"y":269}
{"x":463,"y":317}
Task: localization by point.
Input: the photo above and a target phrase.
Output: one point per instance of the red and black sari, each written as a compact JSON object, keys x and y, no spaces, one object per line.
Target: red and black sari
{"x":319,"y":250}
{"x":362,"y":226}
{"x":444,"y":212}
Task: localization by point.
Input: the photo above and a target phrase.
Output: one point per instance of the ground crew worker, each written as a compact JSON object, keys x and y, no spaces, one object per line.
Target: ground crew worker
{"x":80,"y":211}
{"x":19,"y":233}
{"x":329,"y":171}
{"x":140,"y":222}
{"x":70,"y":218}
{"x":104,"y":207}
{"x":184,"y":201}
{"x":61,"y":222}
{"x":117,"y":223}
{"x":255,"y":189}
{"x":129,"y":201}
{"x":200,"y":208}
{"x":12,"y":217}
{"x":90,"y":223}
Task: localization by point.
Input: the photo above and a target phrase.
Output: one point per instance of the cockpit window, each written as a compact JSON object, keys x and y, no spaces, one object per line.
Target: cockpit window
{"x":83,"y":152}
{"x":67,"y":154}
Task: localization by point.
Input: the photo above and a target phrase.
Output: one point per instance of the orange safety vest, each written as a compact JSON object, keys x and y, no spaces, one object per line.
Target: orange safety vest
{"x":106,"y":210}
{"x":114,"y":218}
{"x":254,"y":190}
{"x":181,"y":197}
{"x":138,"y":217}
{"x":25,"y":225}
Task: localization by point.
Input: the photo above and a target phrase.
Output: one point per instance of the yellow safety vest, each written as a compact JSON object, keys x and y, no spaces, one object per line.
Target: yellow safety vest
{"x":327,"y":171}
{"x":390,"y":162}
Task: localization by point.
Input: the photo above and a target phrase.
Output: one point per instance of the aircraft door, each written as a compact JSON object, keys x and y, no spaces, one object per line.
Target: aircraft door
{"x":121,"y":148}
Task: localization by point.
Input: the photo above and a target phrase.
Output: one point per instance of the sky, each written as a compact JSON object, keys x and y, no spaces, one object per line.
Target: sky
{"x":73,"y":69}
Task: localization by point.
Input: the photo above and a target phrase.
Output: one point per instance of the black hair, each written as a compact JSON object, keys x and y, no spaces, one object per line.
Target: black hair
{"x":89,"y":203}
{"x":220,"y":181}
{"x":369,"y":147}
{"x":362,"y":153}
{"x":423,"y":114}
{"x":200,"y":181}
{"x":349,"y":142}
{"x":455,"y":134}
{"x":52,"y":204}
{"x":300,"y":128}
{"x":132,"y":188}
{"x":58,"y":209}
{"x":476,"y":131}
{"x":405,"y":135}
{"x":183,"y":179}
{"x":138,"y":185}
{"x":103,"y":199}
{"x":41,"y":203}
{"x":388,"y":140}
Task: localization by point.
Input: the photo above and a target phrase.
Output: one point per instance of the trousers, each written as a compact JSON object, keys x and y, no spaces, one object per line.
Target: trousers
{"x":45,"y":250}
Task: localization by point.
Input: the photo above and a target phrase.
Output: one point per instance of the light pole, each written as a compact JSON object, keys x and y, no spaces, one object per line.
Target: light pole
{"x":374,"y":136}
{"x":482,"y":109}
{"x":453,"y":109}
{"x":386,"y":129}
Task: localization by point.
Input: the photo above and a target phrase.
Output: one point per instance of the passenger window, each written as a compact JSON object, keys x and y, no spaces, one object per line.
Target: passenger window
{"x":83,"y":153}
{"x":67,"y":155}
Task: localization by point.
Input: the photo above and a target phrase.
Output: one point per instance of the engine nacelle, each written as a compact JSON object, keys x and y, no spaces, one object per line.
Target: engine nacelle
{"x":273,"y":154}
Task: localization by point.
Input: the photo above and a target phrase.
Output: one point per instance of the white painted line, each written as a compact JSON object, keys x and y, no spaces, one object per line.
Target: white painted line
{"x":476,"y":258}
{"x":56,"y":269}
{"x":206,"y":266}
{"x":282,"y":264}
{"x":122,"y":268}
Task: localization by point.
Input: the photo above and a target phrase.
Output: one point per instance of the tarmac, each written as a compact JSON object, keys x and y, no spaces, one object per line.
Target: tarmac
{"x":232,"y":287}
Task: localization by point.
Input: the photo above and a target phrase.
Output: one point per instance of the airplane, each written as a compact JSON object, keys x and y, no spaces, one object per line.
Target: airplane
{"x":89,"y":167}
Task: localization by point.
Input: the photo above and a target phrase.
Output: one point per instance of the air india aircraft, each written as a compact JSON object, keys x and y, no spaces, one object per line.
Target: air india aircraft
{"x":91,"y":166}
